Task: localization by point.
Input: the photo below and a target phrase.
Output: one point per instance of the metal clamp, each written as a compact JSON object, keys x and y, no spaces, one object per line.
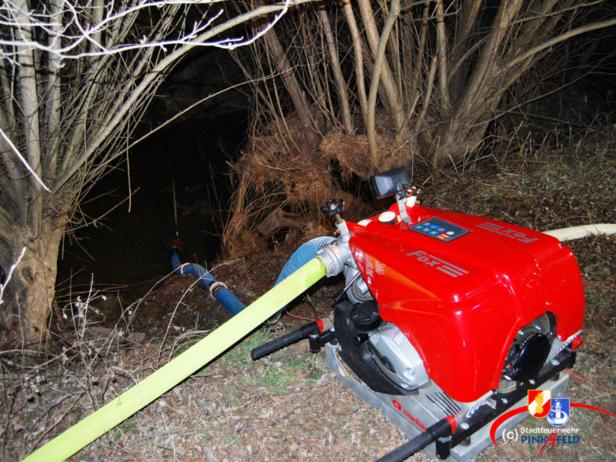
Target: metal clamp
{"x":181,"y":268}
{"x":334,"y":258}
{"x":215,"y":286}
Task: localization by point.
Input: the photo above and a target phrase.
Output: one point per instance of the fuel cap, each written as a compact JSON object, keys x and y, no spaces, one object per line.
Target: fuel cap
{"x":387,"y":217}
{"x":365,"y":316}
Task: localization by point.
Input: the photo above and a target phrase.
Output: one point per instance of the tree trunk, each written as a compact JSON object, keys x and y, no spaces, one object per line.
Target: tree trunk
{"x":30,"y":292}
{"x":462,"y":135}
{"x":288,"y":77}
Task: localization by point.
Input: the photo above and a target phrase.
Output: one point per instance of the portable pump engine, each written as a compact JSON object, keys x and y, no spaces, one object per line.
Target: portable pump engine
{"x":446,"y":320}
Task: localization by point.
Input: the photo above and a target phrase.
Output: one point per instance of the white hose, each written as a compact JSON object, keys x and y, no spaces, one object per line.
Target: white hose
{"x":578,"y":232}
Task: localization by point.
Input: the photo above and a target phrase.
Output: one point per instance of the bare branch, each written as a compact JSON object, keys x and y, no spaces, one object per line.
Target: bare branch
{"x":379,"y":64}
{"x":505,"y":15}
{"x":29,"y":100}
{"x":388,"y":82}
{"x":89,"y":34}
{"x":150,"y":80}
{"x":9,"y":275}
{"x":8,"y":141}
{"x":441,"y":39}
{"x":561,"y":38}
{"x":359,"y":61}
{"x":428,"y":96}
{"x":341,"y":86}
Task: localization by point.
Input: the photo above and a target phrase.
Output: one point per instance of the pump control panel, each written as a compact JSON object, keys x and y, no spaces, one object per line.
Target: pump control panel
{"x":439,"y":229}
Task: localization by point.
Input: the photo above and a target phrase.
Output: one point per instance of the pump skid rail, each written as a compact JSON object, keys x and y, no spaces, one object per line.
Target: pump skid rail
{"x":448,"y":432}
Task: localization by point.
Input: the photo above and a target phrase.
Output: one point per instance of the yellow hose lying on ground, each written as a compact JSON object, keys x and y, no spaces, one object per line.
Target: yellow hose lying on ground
{"x":193,"y":359}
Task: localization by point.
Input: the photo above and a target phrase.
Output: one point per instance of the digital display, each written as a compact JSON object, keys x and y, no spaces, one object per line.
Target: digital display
{"x":439,"y":229}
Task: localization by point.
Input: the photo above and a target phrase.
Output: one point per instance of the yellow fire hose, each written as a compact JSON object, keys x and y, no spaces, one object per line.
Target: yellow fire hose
{"x":216,"y":343}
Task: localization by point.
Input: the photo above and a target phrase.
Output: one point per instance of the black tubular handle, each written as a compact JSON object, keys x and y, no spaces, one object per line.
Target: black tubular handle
{"x":440,"y":429}
{"x":286,"y":340}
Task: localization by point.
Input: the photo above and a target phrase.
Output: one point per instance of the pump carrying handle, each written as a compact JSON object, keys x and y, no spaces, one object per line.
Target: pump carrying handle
{"x":441,"y":429}
{"x":295,"y":336}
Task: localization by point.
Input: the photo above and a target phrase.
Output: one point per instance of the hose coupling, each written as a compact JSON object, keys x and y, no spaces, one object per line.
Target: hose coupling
{"x":334,"y":257}
{"x":215,"y":286}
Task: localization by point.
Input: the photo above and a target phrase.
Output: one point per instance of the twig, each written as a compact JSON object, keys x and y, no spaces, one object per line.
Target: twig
{"x":560,"y":38}
{"x":379,"y":64}
{"x":175,"y":207}
{"x":10,"y":273}
{"x":23,"y":161}
{"x":169,"y":324}
{"x":58,"y":420}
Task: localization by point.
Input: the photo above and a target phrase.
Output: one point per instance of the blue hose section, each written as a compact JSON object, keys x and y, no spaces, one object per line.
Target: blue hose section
{"x":304,"y":253}
{"x":228,"y":299}
{"x":224,"y":296}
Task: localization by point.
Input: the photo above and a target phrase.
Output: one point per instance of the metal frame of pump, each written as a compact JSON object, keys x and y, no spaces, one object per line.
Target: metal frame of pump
{"x":463,"y":433}
{"x":460,"y":430}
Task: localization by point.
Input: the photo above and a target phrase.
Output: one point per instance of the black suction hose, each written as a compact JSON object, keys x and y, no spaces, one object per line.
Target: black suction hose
{"x":440,"y":429}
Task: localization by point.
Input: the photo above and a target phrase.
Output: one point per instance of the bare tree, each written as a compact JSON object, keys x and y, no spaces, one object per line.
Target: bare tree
{"x":75,"y":79}
{"x":417,"y":79}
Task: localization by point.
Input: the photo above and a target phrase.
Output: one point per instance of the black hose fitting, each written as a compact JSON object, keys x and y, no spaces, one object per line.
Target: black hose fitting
{"x":286,"y":340}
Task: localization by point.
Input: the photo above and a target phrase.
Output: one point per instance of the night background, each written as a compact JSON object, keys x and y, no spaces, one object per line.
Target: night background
{"x":517,"y":125}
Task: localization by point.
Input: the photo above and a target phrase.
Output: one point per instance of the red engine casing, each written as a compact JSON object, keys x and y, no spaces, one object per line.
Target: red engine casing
{"x":461,"y":303}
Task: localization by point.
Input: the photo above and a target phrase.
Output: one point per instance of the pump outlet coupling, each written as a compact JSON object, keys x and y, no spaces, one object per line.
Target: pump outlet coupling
{"x":334,"y":257}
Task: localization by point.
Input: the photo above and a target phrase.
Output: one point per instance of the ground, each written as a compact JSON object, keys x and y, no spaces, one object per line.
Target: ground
{"x":289,"y":406}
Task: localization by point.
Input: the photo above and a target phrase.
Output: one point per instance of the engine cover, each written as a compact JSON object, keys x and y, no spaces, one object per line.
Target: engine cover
{"x":397,"y":358}
{"x":460,"y":287}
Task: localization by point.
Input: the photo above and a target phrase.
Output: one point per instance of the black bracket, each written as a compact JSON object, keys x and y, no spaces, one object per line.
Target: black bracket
{"x":318,"y":341}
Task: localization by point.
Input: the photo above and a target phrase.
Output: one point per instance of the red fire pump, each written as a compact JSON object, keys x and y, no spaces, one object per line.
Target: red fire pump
{"x":446,"y":319}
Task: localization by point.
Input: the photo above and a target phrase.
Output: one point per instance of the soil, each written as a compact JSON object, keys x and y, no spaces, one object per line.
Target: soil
{"x":289,"y":406}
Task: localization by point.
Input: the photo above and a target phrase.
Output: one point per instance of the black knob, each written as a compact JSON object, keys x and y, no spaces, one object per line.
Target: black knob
{"x":332,"y":207}
{"x":365,"y":316}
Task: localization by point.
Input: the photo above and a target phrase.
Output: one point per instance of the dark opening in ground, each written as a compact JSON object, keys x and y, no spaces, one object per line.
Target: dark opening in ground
{"x":129,"y":248}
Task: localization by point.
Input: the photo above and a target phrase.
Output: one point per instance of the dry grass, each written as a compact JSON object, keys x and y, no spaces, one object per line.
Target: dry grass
{"x":289,"y":406}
